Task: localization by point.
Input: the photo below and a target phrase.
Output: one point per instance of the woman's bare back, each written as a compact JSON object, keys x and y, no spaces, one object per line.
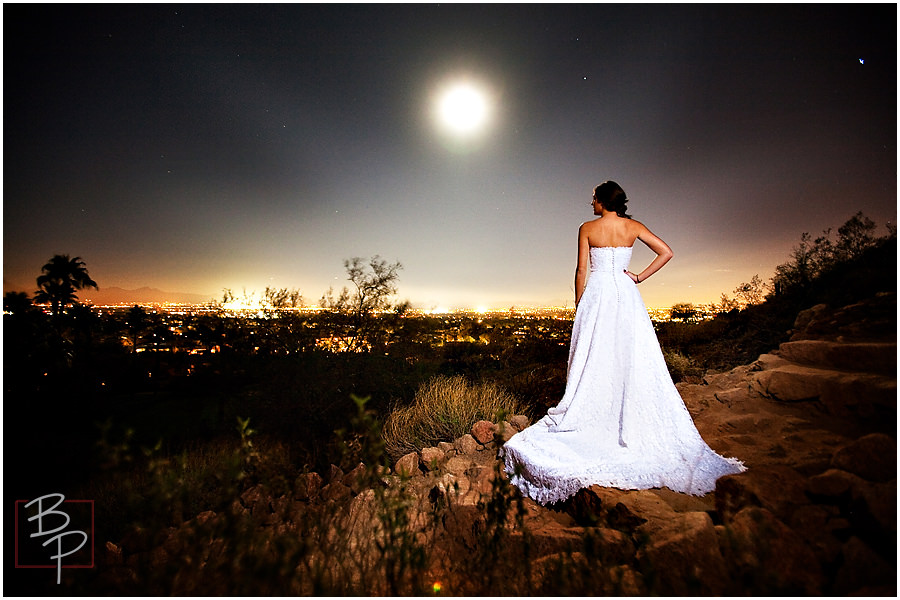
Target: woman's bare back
{"x":612,"y":230}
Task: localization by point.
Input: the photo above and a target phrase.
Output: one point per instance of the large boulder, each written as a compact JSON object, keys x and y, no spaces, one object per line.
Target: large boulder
{"x":777,"y":488}
{"x":864,"y":357}
{"x":683,"y":557}
{"x":872,"y":457}
{"x":768,"y":557}
{"x":864,"y":397}
{"x":864,"y":572}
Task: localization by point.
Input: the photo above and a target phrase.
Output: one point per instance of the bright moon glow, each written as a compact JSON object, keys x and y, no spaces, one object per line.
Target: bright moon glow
{"x":463,"y":108}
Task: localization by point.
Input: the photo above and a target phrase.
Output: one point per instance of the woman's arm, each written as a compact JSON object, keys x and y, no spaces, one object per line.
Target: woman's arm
{"x":581,"y":268}
{"x":663,"y":254}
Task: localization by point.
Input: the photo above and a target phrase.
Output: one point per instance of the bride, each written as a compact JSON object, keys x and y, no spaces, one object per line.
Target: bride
{"x":621,"y":422}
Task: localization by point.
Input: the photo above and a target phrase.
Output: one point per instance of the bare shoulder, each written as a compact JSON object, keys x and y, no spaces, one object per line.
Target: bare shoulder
{"x":588,"y":225}
{"x":637,"y":227}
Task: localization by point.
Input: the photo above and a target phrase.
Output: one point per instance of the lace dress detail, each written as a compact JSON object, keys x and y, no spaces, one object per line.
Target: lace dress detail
{"x":621,"y":422}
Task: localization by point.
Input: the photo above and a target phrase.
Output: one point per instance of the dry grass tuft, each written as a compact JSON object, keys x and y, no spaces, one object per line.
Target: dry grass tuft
{"x":444,"y":408}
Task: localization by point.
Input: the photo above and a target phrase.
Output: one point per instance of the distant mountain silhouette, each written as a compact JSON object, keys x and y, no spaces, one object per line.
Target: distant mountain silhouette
{"x":117,"y":295}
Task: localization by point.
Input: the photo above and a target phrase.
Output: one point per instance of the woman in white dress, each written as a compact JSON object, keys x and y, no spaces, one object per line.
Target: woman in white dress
{"x":621,"y":422}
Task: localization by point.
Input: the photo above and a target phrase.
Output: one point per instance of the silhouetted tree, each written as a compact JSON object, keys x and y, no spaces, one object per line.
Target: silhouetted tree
{"x":854,"y":237}
{"x":812,"y":258}
{"x":136,"y":320}
{"x":375,"y":283}
{"x":683,"y":311}
{"x":750,"y":292}
{"x":60,"y":278}
{"x":283,"y":298}
{"x":16,"y":303}
{"x":727,"y":304}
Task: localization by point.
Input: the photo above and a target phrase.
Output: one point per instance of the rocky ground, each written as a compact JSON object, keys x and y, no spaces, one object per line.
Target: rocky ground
{"x":814,"y":514}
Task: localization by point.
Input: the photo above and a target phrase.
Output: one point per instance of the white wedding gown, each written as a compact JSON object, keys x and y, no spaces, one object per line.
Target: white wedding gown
{"x":621,"y":422}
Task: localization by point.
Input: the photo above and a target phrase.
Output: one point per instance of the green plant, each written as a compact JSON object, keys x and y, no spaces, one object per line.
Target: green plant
{"x":443,"y":409}
{"x":680,"y":366}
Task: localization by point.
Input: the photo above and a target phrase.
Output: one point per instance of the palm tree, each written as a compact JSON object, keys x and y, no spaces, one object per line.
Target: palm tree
{"x":59,"y":280}
{"x":136,"y":319}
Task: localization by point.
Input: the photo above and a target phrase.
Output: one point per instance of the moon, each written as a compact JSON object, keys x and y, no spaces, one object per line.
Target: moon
{"x":463,"y":108}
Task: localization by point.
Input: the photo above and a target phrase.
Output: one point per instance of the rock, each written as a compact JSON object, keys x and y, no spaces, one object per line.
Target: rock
{"x":862,"y":568}
{"x":278,"y":509}
{"x":619,"y":509}
{"x":645,"y":505}
{"x":432,"y":458}
{"x":765,"y":551}
{"x":505,"y":431}
{"x":550,"y":539}
{"x":872,"y":457}
{"x":819,"y":526}
{"x":732,"y":396}
{"x":622,"y":580}
{"x":870,"y":507}
{"x":462,"y":524}
{"x":805,"y":317}
{"x":483,"y":432}
{"x":589,"y":506}
{"x":779,"y":489}
{"x":870,"y":319}
{"x":356,"y":479}
{"x":335,"y":492}
{"x":831,"y":485}
{"x":480,"y":479}
{"x":446,"y":447}
{"x":862,"y":397}
{"x":362,"y":510}
{"x":575,"y":574}
{"x":258,"y":500}
{"x":450,"y":487}
{"x":407,"y":465}
{"x":684,"y":558}
{"x":789,"y":383}
{"x":466,"y":444}
{"x":736,"y":377}
{"x":766,"y":362}
{"x":334,"y":474}
{"x":458,"y":464}
{"x":307,"y":485}
{"x":873,"y":510}
{"x":864,"y":357}
{"x":610,"y":545}
{"x":686,"y":502}
{"x":520,"y":422}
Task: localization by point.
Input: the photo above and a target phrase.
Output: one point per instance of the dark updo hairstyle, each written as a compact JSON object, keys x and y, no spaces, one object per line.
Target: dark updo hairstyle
{"x":612,"y":197}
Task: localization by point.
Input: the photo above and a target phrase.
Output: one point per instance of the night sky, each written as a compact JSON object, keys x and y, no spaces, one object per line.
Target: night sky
{"x":194,"y":148}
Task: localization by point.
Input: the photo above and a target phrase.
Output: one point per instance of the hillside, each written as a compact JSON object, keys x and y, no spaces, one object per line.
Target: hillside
{"x":814,"y":514}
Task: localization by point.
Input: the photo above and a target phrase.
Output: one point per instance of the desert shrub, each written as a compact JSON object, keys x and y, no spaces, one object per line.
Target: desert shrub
{"x":443,"y":409}
{"x":681,"y":366}
{"x":154,"y":487}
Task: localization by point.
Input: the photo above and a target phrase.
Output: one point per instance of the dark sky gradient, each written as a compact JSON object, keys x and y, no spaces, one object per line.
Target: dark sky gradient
{"x":192,"y":148}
